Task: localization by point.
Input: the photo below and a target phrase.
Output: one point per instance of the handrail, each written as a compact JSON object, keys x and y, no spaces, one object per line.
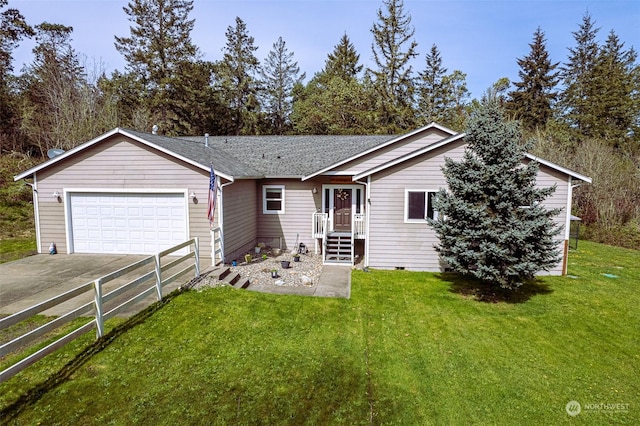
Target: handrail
{"x":318,"y":224}
{"x":325,"y":227}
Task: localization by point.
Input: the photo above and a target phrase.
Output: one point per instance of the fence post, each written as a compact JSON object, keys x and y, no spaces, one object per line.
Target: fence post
{"x":197,"y":249}
{"x":98,"y":303}
{"x":158,"y":277}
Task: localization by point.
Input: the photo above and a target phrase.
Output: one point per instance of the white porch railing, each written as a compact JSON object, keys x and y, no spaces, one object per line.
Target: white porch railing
{"x":318,"y":223}
{"x":359,"y":226}
{"x":217,"y":246}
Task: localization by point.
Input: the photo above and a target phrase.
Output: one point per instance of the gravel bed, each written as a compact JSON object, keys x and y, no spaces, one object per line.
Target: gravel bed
{"x":304,"y":273}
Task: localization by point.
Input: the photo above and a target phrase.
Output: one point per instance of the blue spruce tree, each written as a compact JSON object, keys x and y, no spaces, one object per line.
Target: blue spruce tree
{"x":492,"y":224}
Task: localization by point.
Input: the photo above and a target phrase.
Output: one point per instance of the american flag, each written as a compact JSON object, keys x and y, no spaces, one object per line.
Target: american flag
{"x":213,"y":192}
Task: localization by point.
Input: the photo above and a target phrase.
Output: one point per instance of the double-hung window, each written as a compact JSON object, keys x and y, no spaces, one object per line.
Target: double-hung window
{"x":273,"y":199}
{"x":418,"y":205}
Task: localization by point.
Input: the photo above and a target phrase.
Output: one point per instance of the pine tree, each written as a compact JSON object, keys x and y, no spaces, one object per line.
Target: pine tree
{"x":280,"y":73}
{"x":616,"y":93}
{"x":335,"y":101}
{"x":533,"y":98}
{"x":344,"y":61}
{"x":236,"y":78}
{"x":432,"y":89}
{"x":491,"y":223}
{"x":441,"y":96}
{"x":159,"y":45}
{"x":577,"y":76}
{"x":393,"y":78}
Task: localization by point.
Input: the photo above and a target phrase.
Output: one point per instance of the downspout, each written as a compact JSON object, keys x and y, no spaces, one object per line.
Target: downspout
{"x":367,"y":203}
{"x":36,"y":211}
{"x":221,"y":220}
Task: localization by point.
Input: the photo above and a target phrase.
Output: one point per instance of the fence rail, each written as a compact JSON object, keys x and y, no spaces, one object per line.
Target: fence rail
{"x":99,"y":300}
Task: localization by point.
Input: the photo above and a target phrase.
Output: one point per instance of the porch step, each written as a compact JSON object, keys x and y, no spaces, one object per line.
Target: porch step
{"x":224,"y":274}
{"x":338,"y":248}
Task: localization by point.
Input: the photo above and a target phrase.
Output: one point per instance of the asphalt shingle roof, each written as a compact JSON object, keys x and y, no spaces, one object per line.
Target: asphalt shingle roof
{"x":256,"y":156}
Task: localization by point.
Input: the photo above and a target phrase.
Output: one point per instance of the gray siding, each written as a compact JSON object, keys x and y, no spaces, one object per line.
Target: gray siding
{"x":391,"y":152}
{"x":239,"y":220}
{"x":120,"y":164}
{"x":300,"y":204}
{"x":387,"y":226}
{"x":549,"y":177}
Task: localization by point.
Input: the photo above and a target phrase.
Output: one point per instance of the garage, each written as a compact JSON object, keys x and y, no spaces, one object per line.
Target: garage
{"x":126,"y":223}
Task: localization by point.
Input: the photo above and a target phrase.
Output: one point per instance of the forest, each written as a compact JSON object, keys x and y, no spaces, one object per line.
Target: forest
{"x":582,"y":113}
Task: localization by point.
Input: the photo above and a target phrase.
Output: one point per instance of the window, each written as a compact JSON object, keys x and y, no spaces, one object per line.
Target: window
{"x":273,"y":199}
{"x":419,"y":205}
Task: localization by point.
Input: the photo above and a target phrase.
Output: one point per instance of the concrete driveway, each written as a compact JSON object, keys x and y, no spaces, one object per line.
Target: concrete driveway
{"x":34,"y":279}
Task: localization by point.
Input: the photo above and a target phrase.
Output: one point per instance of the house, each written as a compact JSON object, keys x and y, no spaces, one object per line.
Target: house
{"x":342,"y":196}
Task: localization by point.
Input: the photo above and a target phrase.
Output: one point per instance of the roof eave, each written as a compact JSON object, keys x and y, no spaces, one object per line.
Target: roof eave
{"x":408,"y":156}
{"x":66,"y":154}
{"x":104,"y":136}
{"x":432,"y":125}
{"x":559,"y":168}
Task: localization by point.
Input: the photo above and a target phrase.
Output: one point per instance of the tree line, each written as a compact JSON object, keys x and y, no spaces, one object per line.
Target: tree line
{"x":583,"y":113}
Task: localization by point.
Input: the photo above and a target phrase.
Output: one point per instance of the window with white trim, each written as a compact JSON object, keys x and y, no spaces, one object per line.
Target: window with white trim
{"x":273,"y":199}
{"x":418,"y":205}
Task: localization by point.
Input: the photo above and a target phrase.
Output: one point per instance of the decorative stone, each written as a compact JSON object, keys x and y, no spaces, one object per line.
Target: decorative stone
{"x":279,"y":282}
{"x":306,"y":280}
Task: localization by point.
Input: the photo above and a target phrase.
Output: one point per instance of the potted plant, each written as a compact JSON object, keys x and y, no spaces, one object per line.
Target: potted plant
{"x":296,"y":257}
{"x":274,"y":273}
{"x":284,"y":264}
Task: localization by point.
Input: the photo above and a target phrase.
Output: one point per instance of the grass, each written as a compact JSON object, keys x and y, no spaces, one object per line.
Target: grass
{"x":407,"y":348}
{"x":17,"y":226}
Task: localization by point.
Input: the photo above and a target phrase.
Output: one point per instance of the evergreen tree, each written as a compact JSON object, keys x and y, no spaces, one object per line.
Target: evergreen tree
{"x":333,"y":106}
{"x":13,"y":28}
{"x":432,"y":89}
{"x":236,"y":78}
{"x":491,"y":223}
{"x":577,"y":76}
{"x":279,"y":76}
{"x":457,"y":104}
{"x":616,"y":93}
{"x":343,"y":62}
{"x":159,"y":45}
{"x":335,"y":101}
{"x":534,"y":95}
{"x":441,"y":96}
{"x":393,"y":78}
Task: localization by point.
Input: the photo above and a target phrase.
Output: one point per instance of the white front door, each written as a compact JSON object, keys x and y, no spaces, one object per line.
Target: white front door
{"x":341,"y":202}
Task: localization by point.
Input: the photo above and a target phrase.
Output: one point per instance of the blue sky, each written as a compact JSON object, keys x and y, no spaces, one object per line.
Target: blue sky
{"x":482,"y":38}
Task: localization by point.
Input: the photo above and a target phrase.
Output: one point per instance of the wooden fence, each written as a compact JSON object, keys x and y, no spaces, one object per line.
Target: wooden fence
{"x":99,"y":301}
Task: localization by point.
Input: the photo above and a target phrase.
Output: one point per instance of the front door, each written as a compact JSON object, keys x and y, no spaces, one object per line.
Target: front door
{"x":342,"y":210}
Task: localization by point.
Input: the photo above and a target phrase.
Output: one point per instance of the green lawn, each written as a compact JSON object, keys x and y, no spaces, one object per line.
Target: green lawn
{"x":408,"y":348}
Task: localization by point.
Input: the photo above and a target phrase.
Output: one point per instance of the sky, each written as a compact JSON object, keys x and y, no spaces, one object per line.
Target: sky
{"x":482,"y":38}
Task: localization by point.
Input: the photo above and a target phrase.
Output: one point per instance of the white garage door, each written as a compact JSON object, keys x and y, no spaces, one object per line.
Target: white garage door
{"x":127,"y":223}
